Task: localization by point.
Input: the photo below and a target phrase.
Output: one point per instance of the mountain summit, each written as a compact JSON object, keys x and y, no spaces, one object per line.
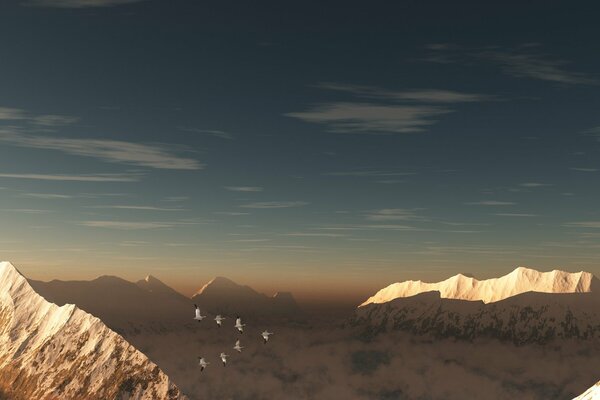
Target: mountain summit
{"x":52,"y":352}
{"x":521,"y":280}
{"x":224,"y":296}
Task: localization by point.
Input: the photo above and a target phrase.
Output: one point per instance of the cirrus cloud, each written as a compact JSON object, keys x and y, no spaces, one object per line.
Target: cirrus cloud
{"x":116,"y":151}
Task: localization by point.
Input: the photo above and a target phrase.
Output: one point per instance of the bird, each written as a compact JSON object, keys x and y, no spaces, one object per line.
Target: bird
{"x":198,"y":316}
{"x":237,"y":347}
{"x":266,"y":335}
{"x":219,"y":320}
{"x":224,"y":358}
{"x":238,"y":325}
{"x":202,"y":363}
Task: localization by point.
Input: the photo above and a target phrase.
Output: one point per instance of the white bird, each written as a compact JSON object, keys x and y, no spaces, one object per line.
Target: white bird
{"x":238,"y":325}
{"x":198,"y":316}
{"x":266,"y":335}
{"x":224,"y":358}
{"x":237,"y":347}
{"x":219,"y":320}
{"x":202,"y":363}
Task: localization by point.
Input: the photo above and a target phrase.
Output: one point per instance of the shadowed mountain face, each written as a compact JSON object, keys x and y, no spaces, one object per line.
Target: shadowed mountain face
{"x":52,"y":352}
{"x":223,"y":296}
{"x":150,"y":304}
{"x":122,"y":305}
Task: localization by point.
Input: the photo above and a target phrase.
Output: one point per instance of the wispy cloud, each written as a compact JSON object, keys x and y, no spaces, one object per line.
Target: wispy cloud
{"x":141,"y":208}
{"x":50,"y":196}
{"x":524,"y":61}
{"x":116,"y":151}
{"x":314,"y":234}
{"x":413,"y":95}
{"x":491,"y":203}
{"x":25,"y":210}
{"x":534,"y":184}
{"x":393,"y":227}
{"x":209,"y":132}
{"x":50,"y":120}
{"x":275,"y":204}
{"x":386,"y":111}
{"x":584,"y":224}
{"x":584,"y":169}
{"x":54,"y":120}
{"x":11,"y":114}
{"x":175,"y":199}
{"x":77,"y":3}
{"x":244,"y":188}
{"x":369,"y":173}
{"x":76,"y":178}
{"x":515,"y":215}
{"x":394,"y":214}
{"x":371,"y":118}
{"x":124,"y":225}
{"x":523,"y":64}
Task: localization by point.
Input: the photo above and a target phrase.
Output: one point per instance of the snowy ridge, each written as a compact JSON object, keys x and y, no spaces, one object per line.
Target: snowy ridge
{"x":52,"y":352}
{"x":592,"y":393}
{"x":519,"y":281}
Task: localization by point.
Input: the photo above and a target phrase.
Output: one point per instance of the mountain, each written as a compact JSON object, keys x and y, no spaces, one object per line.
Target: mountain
{"x":49,"y":352}
{"x":223,"y":296}
{"x":156,"y":287}
{"x":121,"y":304}
{"x":519,"y":281}
{"x":530,"y":317}
{"x":592,"y":393}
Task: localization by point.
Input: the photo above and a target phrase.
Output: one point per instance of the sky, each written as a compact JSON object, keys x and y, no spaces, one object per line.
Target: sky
{"x":325,"y":148}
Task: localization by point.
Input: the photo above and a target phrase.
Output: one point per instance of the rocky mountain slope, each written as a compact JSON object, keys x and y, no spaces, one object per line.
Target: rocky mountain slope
{"x":592,"y":393}
{"x":521,"y":280}
{"x":61,"y":352}
{"x":530,"y":317}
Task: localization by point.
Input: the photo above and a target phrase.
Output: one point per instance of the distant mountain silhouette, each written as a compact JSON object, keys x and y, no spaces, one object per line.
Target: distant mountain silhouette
{"x":119,"y":303}
{"x":223,"y":296}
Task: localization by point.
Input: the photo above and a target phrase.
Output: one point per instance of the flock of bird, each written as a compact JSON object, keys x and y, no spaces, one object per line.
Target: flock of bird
{"x":238,"y":347}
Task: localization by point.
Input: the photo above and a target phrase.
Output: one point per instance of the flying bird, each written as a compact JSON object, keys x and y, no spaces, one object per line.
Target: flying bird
{"x":198,"y":316}
{"x":238,"y":325}
{"x":224,"y":358}
{"x":219,"y":320}
{"x":266,"y":335}
{"x":237,"y":347}
{"x":202,"y":363}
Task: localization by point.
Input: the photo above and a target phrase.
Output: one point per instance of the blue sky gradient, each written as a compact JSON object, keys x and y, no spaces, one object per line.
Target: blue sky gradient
{"x":295,"y":146}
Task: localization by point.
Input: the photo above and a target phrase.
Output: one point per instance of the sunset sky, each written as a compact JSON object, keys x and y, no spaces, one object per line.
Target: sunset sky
{"x":309,"y":146}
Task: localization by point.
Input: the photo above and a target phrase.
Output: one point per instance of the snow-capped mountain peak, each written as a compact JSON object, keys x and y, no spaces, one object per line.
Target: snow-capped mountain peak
{"x":519,"y":281}
{"x":47,"y":351}
{"x":592,"y":393}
